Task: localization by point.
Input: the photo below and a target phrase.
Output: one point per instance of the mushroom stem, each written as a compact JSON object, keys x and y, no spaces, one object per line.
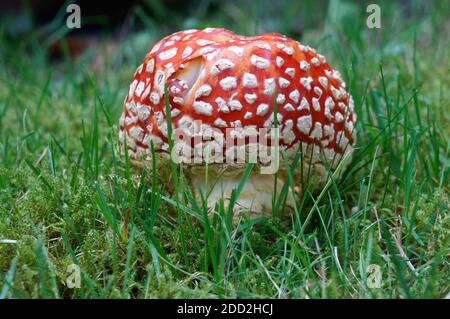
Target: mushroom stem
{"x":256,"y":196}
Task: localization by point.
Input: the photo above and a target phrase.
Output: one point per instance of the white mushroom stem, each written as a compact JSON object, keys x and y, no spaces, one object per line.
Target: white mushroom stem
{"x":216,"y":185}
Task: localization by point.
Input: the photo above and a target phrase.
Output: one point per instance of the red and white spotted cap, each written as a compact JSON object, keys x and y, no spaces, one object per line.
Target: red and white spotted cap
{"x":229,"y":81}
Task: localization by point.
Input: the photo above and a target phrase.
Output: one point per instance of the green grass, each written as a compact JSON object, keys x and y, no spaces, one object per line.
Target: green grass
{"x":68,"y":196}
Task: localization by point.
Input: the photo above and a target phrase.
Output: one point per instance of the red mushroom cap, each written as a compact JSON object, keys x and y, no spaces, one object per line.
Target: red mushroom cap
{"x":227,"y":80}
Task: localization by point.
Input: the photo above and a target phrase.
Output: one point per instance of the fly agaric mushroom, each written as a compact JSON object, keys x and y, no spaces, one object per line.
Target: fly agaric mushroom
{"x":231,"y":82}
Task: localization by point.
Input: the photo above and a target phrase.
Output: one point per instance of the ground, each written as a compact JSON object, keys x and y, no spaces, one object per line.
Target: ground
{"x":67,"y":196}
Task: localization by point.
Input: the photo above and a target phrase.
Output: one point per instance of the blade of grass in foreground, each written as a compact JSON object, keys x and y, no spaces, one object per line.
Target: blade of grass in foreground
{"x":8,"y":280}
{"x":106,"y":211}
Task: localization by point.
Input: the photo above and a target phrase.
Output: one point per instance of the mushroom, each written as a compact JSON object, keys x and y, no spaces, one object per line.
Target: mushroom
{"x":220,"y":84}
